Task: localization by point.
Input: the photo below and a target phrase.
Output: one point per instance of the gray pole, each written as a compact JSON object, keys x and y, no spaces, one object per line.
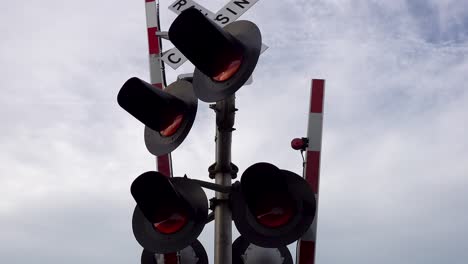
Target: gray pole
{"x":225,"y":110}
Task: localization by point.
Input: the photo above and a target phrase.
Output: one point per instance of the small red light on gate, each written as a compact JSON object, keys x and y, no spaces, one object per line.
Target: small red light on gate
{"x":172,"y":224}
{"x":299,"y":143}
{"x":229,"y":71}
{"x":171,"y":129}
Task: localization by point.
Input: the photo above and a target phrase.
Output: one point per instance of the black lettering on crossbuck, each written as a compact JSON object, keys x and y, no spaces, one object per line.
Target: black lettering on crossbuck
{"x":179,"y":4}
{"x":173,"y":61}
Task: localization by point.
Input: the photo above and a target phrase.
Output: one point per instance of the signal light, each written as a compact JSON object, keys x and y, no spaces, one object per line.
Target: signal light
{"x":194,"y":253}
{"x":168,"y":115}
{"x":230,"y":69}
{"x":172,"y":128}
{"x":170,"y":212}
{"x":273,"y":211}
{"x":243,"y":252}
{"x":272,"y":207}
{"x":224,"y":58}
{"x":173,"y":223}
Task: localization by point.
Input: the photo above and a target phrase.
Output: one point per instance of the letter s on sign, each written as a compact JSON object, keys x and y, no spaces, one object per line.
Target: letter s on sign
{"x":222,"y":19}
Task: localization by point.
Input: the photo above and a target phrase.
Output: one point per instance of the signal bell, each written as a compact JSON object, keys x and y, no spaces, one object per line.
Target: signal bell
{"x":170,"y":212}
{"x":272,"y":207}
{"x":224,"y":58}
{"x":168,"y":115}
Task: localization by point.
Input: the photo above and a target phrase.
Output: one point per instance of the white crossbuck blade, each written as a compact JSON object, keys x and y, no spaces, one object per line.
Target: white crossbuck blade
{"x":229,"y":13}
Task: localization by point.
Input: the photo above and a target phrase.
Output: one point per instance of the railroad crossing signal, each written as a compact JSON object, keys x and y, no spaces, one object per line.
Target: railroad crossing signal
{"x":170,"y":212}
{"x":270,"y":207}
{"x":224,"y":58}
{"x":227,"y":14}
{"x":168,"y":115}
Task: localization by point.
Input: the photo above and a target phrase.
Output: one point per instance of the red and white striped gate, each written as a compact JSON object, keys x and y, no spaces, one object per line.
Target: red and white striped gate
{"x":158,"y":79}
{"x":306,"y":245}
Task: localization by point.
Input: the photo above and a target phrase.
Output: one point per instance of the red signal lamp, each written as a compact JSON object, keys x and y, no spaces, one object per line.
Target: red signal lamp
{"x":172,"y":224}
{"x":272,"y":207}
{"x":272,"y":212}
{"x":172,"y":128}
{"x":170,"y":212}
{"x":229,"y":71}
{"x":168,"y":114}
{"x":224,"y":58}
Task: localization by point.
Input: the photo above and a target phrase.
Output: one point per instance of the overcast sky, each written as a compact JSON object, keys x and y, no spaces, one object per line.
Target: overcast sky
{"x":394,"y":178}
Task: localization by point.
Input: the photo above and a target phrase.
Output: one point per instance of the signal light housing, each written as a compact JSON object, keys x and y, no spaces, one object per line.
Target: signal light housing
{"x":224,"y":58}
{"x":194,"y":253}
{"x":168,"y":115}
{"x":243,"y":252}
{"x":272,"y":207}
{"x":165,"y":201}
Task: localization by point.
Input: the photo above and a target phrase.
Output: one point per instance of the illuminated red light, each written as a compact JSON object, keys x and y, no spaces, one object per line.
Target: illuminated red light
{"x":172,"y":128}
{"x":274,"y":213}
{"x":298,"y":144}
{"x":230,"y":70}
{"x":174,"y":223}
